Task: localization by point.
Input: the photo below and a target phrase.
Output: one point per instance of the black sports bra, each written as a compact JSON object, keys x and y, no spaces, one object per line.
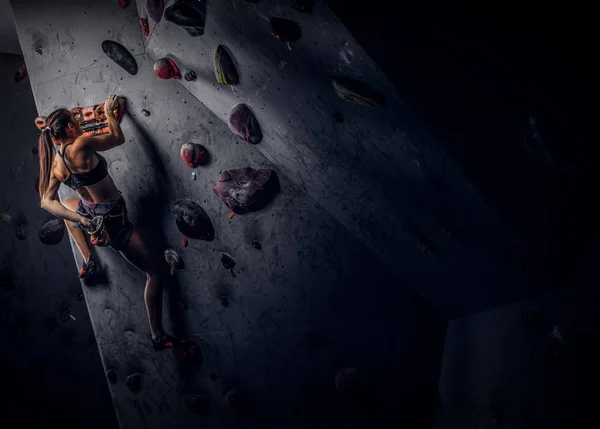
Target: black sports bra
{"x":79,"y":180}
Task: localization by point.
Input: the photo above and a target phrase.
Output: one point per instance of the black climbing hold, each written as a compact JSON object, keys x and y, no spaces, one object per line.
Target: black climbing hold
{"x":357,"y":92}
{"x":80,"y":296}
{"x":190,"y":75}
{"x":285,"y":30}
{"x":349,"y":384}
{"x":212,"y":376}
{"x":134,"y":382}
{"x":223,"y":299}
{"x":21,"y":73}
{"x":174,"y":259}
{"x":192,"y":220}
{"x":120,"y":55}
{"x":256,"y":245}
{"x":155,"y":9}
{"x":183,"y":305}
{"x":111,"y":374}
{"x":38,"y":51}
{"x":243,"y":123}
{"x":165,"y":68}
{"x":20,"y":231}
{"x":145,"y":112}
{"x":34,"y":150}
{"x":193,"y":154}
{"x":234,"y":399}
{"x":246,"y":189}
{"x":197,"y":403}
{"x":228,"y":264}
{"x":225,"y":70}
{"x":189,"y":15}
{"x":7,"y":283}
{"x":4,"y":316}
{"x":52,"y":232}
{"x":65,"y":315}
{"x":305,"y":6}
{"x":338,"y":117}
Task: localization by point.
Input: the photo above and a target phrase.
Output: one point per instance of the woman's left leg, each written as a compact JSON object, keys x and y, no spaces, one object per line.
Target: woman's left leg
{"x":89,"y":266}
{"x":138,"y":254}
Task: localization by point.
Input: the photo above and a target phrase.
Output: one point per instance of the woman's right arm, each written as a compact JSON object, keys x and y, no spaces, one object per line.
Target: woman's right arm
{"x":51,"y":204}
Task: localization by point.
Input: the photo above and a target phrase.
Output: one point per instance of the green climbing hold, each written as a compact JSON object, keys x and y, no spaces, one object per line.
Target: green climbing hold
{"x":357,"y":92}
{"x":225,"y":70}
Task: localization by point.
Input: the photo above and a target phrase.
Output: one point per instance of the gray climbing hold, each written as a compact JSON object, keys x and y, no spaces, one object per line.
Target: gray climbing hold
{"x":134,"y":382}
{"x":357,"y":92}
{"x":174,"y":259}
{"x":52,"y":232}
{"x":243,"y":123}
{"x":190,"y":75}
{"x":111,"y":374}
{"x":120,"y":55}
{"x":145,"y":112}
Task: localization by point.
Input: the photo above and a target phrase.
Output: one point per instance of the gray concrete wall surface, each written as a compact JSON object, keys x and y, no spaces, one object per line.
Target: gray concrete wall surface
{"x":314,"y":300}
{"x":50,"y":368}
{"x":379,"y":173}
{"x":9,"y":42}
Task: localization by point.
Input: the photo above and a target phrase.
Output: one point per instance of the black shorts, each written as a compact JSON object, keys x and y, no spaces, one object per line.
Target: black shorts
{"x":117,"y":225}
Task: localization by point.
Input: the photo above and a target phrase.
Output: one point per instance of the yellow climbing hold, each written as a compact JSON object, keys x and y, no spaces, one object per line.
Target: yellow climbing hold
{"x":5,"y":217}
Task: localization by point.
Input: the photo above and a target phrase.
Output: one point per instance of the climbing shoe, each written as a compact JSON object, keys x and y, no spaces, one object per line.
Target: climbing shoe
{"x":166,"y":342}
{"x":89,"y":268}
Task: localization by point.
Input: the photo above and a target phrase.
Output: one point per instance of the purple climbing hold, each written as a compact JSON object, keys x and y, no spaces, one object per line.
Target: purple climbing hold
{"x":246,"y":189}
{"x":189,"y":15}
{"x":165,"y":68}
{"x":243,"y":123}
{"x":190,"y":75}
{"x":52,"y":232}
{"x":285,"y":30}
{"x":120,"y":55}
{"x":192,"y":220}
{"x":305,"y":6}
{"x":155,"y":9}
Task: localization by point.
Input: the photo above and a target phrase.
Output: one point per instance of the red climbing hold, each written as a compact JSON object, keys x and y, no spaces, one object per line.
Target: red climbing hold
{"x":193,"y":154}
{"x":145,"y":27}
{"x":123,"y":3}
{"x":21,"y":73}
{"x":165,"y":68}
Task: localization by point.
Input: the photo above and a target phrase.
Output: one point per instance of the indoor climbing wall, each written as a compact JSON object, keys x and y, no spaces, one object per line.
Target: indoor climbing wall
{"x":297,"y":320}
{"x":375,"y":169}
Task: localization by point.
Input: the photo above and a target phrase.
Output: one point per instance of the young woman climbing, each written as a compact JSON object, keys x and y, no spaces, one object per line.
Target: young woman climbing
{"x":69,"y":157}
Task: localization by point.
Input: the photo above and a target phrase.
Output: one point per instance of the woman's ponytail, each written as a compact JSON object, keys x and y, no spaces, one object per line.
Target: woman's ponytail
{"x":46,"y":152}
